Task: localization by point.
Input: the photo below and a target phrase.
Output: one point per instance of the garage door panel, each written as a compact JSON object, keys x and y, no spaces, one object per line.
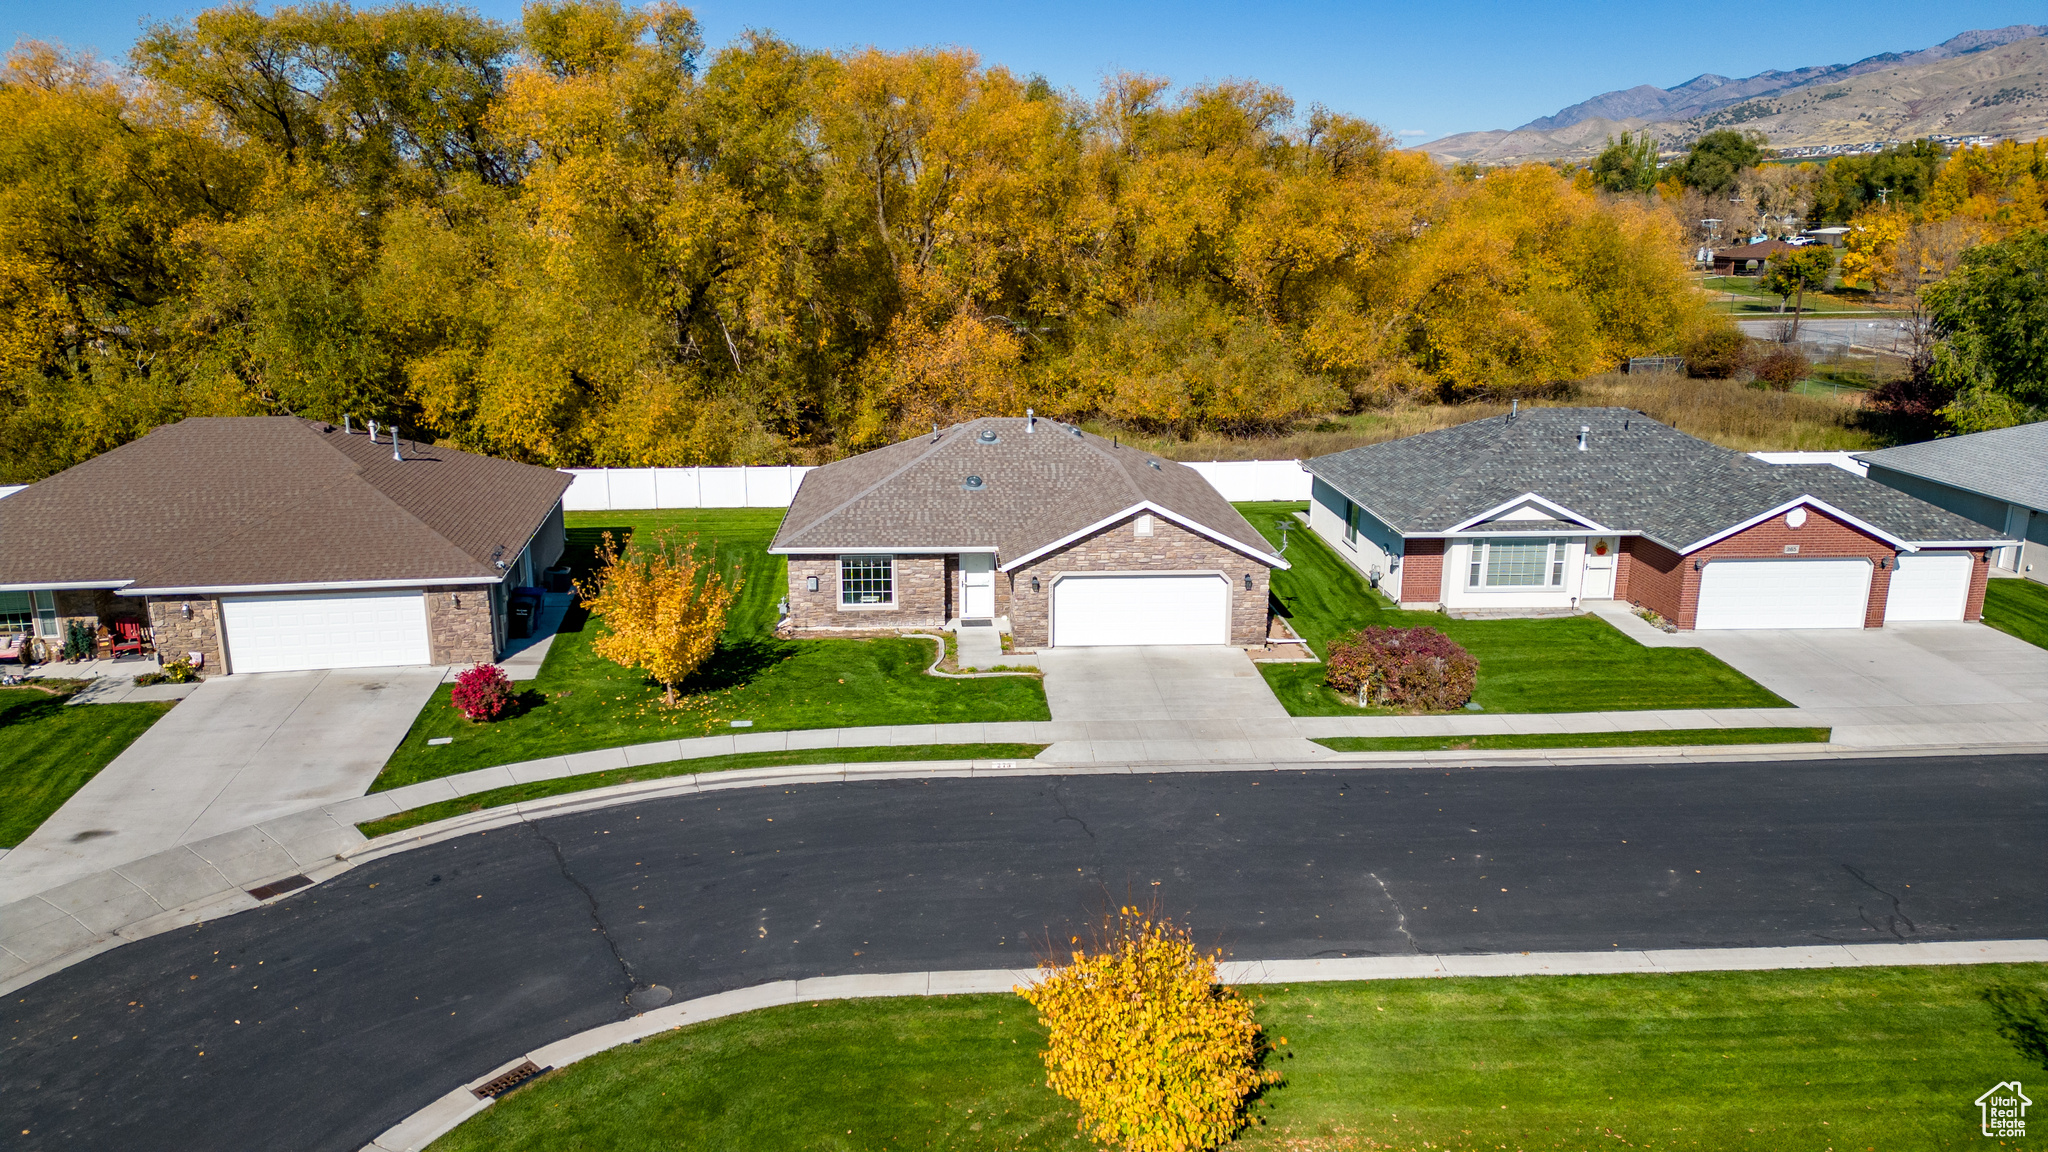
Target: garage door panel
{"x":287,"y":633}
{"x":1822,"y":593}
{"x":1930,"y":586}
{"x":1138,"y":609}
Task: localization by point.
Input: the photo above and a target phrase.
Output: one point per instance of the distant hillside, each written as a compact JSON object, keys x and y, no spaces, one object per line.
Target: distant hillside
{"x":1991,"y":82}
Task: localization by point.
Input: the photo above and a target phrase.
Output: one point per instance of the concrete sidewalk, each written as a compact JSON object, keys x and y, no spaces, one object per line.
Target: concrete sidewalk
{"x":238,"y":752}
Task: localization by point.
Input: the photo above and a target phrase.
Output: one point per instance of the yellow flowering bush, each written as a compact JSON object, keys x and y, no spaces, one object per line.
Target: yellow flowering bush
{"x":1159,"y":1057}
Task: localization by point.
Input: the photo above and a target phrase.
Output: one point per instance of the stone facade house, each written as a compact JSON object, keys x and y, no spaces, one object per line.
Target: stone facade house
{"x":1560,"y":508}
{"x":1059,"y":537}
{"x":272,"y":543}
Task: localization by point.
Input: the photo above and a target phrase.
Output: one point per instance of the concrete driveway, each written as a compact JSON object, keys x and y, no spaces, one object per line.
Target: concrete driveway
{"x":238,"y":751}
{"x":1212,"y":698}
{"x":1901,"y":666}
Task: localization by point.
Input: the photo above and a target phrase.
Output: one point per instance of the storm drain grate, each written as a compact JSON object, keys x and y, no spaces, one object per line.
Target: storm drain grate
{"x":507,"y":1080}
{"x":279,"y":887}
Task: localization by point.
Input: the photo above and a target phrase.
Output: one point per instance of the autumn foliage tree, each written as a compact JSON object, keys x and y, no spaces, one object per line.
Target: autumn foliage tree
{"x":1157,"y":1054}
{"x":663,"y":605}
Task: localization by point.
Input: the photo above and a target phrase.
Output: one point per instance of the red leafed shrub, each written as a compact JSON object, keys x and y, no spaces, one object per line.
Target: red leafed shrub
{"x":1414,"y":669}
{"x":483,"y":693}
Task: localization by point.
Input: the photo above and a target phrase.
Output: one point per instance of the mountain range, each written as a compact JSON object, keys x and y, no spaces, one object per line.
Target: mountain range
{"x":1987,"y":82}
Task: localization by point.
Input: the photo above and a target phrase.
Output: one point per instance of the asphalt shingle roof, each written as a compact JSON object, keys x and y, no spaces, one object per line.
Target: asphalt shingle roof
{"x":1037,"y":487}
{"x":1636,"y":475}
{"x":237,"y":501}
{"x":2009,"y":464}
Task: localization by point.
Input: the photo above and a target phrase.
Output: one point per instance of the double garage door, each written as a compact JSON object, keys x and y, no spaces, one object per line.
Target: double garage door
{"x":286,"y":633}
{"x":1829,"y":593}
{"x":1140,"y":608}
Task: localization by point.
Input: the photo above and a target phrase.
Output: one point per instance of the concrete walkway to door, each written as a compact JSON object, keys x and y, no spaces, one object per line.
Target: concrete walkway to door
{"x":237,"y":752}
{"x":1212,"y":699}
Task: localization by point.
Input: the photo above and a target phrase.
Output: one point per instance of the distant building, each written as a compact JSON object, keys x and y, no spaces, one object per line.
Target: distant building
{"x":1750,"y":258}
{"x":1831,"y":236}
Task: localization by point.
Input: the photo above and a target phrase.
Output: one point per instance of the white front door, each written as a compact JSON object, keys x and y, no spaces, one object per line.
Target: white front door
{"x":1929,"y":586}
{"x":977,"y":586}
{"x":1598,"y":582}
{"x":1783,"y":594}
{"x":286,"y":633}
{"x":1140,"y":608}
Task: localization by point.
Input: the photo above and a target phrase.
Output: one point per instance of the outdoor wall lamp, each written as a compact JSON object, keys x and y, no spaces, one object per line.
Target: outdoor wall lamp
{"x":810,"y":583}
{"x":186,"y":611}
{"x":1698,"y":564}
{"x":1034,"y":583}
{"x":1247,"y":581}
{"x":458,"y":599}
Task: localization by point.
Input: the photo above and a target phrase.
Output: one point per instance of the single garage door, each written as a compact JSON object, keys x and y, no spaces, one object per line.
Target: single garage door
{"x":1133,"y":608}
{"x":345,"y":630}
{"x":1783,"y":594}
{"x":1929,"y":586}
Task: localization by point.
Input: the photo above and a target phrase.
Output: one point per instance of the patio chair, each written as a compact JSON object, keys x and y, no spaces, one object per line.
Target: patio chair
{"x":129,"y":638}
{"x":14,"y":648}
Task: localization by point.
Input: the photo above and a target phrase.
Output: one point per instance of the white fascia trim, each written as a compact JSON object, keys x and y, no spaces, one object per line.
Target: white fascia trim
{"x":1787,"y":506}
{"x":336,"y":586}
{"x":1528,"y":497}
{"x":65,"y":586}
{"x":919,"y":551}
{"x":1266,"y":558}
{"x":1475,"y":534}
{"x":1922,"y":544}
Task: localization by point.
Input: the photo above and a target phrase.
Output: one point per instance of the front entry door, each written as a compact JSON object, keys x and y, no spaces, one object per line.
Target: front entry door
{"x":977,"y":586}
{"x":1599,"y":580}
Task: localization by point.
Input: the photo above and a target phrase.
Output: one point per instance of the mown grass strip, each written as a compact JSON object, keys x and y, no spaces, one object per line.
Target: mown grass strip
{"x":562,"y":785}
{"x":2018,"y":607}
{"x":48,"y":751}
{"x":1722,"y":1061}
{"x":1649,"y":737}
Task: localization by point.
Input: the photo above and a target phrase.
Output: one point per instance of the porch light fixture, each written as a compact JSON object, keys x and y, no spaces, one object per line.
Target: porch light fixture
{"x":458,"y":599}
{"x":1698,"y":564}
{"x":810,"y":583}
{"x":1034,"y":583}
{"x":186,"y":611}
{"x":1247,"y":581}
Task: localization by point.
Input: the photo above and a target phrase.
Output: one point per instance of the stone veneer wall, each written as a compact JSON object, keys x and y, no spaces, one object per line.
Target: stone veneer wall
{"x":1117,"y":548}
{"x":922,"y":599}
{"x":459,"y":626}
{"x":176,"y":636}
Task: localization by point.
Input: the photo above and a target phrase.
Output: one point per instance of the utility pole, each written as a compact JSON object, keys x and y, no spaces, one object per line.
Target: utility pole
{"x":1881,"y":194}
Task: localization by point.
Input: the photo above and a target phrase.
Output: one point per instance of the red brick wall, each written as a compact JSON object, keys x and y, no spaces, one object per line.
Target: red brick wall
{"x":1117,"y":548}
{"x":1821,"y":535}
{"x":920,"y":587}
{"x":1623,"y":562}
{"x":1654,"y":575}
{"x":1980,"y":575}
{"x":1422,"y":572}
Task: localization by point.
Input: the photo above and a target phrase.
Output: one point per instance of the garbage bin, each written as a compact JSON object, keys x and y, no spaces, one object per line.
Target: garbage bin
{"x":558,"y":580}
{"x":523,"y":612}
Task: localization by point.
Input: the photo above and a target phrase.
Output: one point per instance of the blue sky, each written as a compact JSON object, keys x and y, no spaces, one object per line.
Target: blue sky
{"x":1425,"y":69}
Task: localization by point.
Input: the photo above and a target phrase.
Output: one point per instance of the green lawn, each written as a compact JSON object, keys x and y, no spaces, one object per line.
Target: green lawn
{"x":1569,"y":664}
{"x":582,"y":701}
{"x":48,"y":751}
{"x":562,"y":785}
{"x":2019,"y":607}
{"x":1731,"y":1062}
{"x":1653,"y":736}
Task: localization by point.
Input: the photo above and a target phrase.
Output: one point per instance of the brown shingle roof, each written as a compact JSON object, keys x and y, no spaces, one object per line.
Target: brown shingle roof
{"x":216,"y":502}
{"x":1037,"y":488}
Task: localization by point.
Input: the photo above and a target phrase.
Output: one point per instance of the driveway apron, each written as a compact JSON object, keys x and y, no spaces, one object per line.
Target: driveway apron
{"x":239,"y":751}
{"x":1156,"y":703}
{"x":1908,"y":666}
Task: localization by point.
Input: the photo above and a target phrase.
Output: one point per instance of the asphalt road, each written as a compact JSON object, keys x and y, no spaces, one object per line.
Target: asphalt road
{"x":318,"y":1022}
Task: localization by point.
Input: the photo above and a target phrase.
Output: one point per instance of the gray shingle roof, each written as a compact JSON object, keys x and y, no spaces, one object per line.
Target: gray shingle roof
{"x":1036,"y":488}
{"x":1636,"y":475}
{"x":2009,"y":464}
{"x":266,"y":500}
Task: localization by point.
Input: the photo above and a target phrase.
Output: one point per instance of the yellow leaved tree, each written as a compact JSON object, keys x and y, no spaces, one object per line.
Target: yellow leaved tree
{"x":1159,"y":1057}
{"x":663,"y":606}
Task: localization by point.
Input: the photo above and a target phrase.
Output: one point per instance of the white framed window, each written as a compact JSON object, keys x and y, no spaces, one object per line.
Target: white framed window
{"x":1516,"y":563}
{"x":31,"y":612}
{"x":1350,"y":523}
{"x":867,"y":581}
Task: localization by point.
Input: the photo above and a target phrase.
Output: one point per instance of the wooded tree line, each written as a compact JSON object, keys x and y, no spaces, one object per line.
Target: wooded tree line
{"x":587,"y":241}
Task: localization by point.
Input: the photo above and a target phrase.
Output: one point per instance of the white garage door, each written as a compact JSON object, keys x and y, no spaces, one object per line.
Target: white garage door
{"x":1929,"y":586}
{"x":1783,"y":594}
{"x":346,"y":630}
{"x":1152,"y":608}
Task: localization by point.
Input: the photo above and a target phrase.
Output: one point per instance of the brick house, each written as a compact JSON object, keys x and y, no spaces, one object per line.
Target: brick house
{"x":1060,"y":537}
{"x":1555,"y":508}
{"x":272,"y":543}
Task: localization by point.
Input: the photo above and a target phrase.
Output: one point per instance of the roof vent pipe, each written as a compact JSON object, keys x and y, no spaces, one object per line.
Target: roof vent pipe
{"x":1583,"y":430}
{"x":1514,"y":409}
{"x":345,"y":429}
{"x":373,"y":431}
{"x":935,"y":433}
{"x":1030,"y":421}
{"x":394,"y":445}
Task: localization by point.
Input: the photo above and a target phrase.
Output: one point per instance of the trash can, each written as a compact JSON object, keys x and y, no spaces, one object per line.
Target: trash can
{"x":558,"y":579}
{"x":523,"y":612}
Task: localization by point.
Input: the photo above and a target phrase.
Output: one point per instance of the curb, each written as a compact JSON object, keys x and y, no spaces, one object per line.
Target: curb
{"x":437,"y":1119}
{"x":93,"y":921}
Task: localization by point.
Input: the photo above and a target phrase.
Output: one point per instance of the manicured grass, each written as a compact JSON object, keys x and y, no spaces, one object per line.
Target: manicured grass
{"x":1733,"y":1062}
{"x":582,"y":701}
{"x":49,"y":751}
{"x":1569,"y":664}
{"x":563,"y":785}
{"x":2019,"y":607}
{"x":1665,"y":736}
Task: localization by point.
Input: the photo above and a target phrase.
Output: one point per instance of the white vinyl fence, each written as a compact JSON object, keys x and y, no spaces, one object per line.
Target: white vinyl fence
{"x":618,"y":489}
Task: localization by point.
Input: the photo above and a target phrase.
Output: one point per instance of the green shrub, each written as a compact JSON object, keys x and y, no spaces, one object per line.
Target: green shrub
{"x":80,"y":641}
{"x":1717,"y":353}
{"x":1783,"y":368}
